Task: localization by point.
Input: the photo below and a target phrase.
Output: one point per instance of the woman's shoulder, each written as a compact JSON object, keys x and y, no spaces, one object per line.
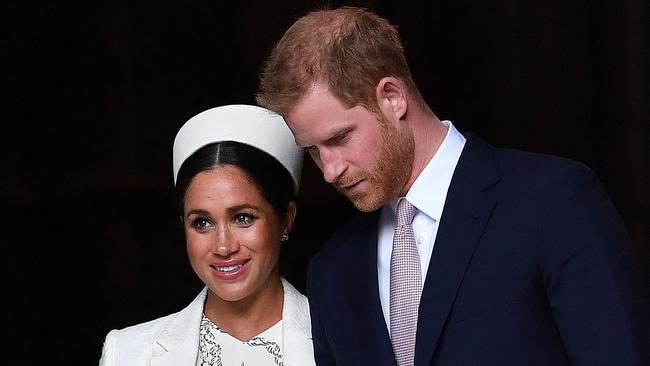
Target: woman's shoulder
{"x":149,"y":328}
{"x":296,"y":306}
{"x":292,"y":294}
{"x":133,"y":341}
{"x":296,"y":327}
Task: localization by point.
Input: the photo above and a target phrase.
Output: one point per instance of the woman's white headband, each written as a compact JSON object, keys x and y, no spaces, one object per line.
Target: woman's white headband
{"x":247,"y":124}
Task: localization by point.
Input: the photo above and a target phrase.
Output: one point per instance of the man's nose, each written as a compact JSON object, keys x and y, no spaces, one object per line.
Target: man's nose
{"x":332,"y":165}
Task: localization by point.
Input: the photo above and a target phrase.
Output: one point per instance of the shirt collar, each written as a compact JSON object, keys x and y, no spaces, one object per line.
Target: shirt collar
{"x":429,"y":190}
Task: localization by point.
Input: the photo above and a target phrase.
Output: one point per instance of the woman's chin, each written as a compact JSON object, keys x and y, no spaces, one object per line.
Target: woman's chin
{"x":231,"y":292}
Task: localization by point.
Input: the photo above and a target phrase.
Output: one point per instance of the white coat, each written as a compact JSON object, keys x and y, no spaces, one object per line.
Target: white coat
{"x":173,"y":340}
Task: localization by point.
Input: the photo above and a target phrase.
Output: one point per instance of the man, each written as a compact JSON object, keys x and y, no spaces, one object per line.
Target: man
{"x":467,"y":254}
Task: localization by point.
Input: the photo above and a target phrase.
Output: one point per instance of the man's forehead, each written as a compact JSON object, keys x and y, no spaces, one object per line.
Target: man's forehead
{"x":314,"y":90}
{"x":318,"y":116}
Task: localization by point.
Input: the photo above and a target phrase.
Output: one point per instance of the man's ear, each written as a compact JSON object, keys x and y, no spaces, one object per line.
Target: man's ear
{"x":391,"y":97}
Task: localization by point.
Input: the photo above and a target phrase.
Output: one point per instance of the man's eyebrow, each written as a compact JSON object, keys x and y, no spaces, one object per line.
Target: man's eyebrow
{"x":331,"y":135}
{"x":337,"y":133}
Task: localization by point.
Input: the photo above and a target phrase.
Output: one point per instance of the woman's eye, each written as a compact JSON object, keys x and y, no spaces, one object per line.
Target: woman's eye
{"x":201,"y":224}
{"x":244,"y":219}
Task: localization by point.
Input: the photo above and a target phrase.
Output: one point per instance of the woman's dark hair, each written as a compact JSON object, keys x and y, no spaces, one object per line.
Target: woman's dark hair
{"x":271,"y":178}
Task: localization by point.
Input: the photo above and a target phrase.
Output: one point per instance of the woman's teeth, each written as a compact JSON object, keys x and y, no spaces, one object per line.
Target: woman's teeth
{"x":228,"y":268}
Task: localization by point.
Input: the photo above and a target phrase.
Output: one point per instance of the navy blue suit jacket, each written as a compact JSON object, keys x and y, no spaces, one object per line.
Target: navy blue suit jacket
{"x":531,"y":266}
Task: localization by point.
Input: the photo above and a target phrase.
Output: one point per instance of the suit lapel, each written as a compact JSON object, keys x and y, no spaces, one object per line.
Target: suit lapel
{"x":178,"y":343}
{"x":373,"y":335}
{"x":296,"y":328}
{"x":468,"y":207}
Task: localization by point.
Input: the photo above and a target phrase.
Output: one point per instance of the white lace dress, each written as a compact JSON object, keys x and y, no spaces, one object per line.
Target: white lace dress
{"x":218,"y":348}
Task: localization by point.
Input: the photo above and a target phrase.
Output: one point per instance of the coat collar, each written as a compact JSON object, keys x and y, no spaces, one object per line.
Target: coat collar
{"x":178,"y":343}
{"x":469,"y":205}
{"x":296,"y":328}
{"x":372,"y":336}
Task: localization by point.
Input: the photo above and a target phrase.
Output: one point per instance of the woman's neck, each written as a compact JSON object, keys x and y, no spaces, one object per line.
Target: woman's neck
{"x":248,"y":317}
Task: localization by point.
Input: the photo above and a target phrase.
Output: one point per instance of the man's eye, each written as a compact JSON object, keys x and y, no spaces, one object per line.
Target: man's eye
{"x":244,"y":219}
{"x":312,"y":150}
{"x":343,"y":137}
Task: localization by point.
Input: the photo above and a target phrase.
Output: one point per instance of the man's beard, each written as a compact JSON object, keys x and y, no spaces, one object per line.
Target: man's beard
{"x":387,"y":178}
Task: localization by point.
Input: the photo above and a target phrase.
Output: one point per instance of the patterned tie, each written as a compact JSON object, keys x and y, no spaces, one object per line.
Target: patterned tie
{"x":405,"y":286}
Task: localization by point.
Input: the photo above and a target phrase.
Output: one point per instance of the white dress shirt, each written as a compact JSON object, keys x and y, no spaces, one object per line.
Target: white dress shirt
{"x":217,"y":347}
{"x":428,"y":194}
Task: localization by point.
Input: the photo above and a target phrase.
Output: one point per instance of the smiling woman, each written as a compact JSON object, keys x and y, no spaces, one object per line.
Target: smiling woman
{"x":236,"y":170}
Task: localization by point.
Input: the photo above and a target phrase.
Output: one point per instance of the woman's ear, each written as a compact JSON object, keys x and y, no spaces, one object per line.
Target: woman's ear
{"x":289,"y":218}
{"x":391,"y":97}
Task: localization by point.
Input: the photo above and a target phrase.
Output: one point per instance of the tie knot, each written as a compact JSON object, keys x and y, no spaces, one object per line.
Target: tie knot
{"x":405,"y":212}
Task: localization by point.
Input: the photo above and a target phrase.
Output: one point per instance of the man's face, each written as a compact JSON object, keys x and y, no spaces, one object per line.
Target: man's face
{"x":367,"y":159}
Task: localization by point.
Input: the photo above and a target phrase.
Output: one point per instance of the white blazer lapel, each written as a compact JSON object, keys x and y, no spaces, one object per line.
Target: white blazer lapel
{"x":296,"y":328}
{"x":178,"y":343}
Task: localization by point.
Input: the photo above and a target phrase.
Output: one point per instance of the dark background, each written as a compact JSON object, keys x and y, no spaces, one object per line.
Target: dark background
{"x":95,"y":92}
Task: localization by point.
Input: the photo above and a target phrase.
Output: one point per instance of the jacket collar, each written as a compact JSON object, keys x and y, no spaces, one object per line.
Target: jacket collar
{"x":178,"y":343}
{"x":296,"y":328}
{"x":371,"y":335}
{"x":468,"y":207}
{"x":470,"y":202}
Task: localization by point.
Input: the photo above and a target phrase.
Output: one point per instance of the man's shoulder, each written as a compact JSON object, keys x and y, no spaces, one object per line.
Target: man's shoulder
{"x":351,"y":238}
{"x":522,"y":167}
{"x":545,"y":172}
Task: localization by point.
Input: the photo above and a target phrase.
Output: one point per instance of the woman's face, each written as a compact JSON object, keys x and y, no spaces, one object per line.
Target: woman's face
{"x":232,"y":232}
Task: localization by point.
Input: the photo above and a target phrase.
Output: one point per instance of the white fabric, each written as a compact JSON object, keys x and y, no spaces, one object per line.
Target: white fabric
{"x":173,"y":340}
{"x":428,"y":194}
{"x":247,"y":124}
{"x":216,"y":347}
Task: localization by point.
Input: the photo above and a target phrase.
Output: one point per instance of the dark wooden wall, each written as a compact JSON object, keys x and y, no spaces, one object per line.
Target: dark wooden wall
{"x":95,"y":92}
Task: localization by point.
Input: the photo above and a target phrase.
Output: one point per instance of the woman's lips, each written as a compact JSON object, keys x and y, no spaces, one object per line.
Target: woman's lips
{"x":230,"y":270}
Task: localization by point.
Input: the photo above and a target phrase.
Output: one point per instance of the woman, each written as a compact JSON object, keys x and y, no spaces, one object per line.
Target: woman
{"x":236,"y":172}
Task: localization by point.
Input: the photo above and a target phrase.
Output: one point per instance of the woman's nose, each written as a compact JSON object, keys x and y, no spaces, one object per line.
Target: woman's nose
{"x":224,"y":243}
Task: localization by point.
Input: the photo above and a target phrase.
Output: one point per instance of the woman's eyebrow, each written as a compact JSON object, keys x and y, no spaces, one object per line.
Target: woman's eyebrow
{"x":242,"y":207}
{"x":198,"y":212}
